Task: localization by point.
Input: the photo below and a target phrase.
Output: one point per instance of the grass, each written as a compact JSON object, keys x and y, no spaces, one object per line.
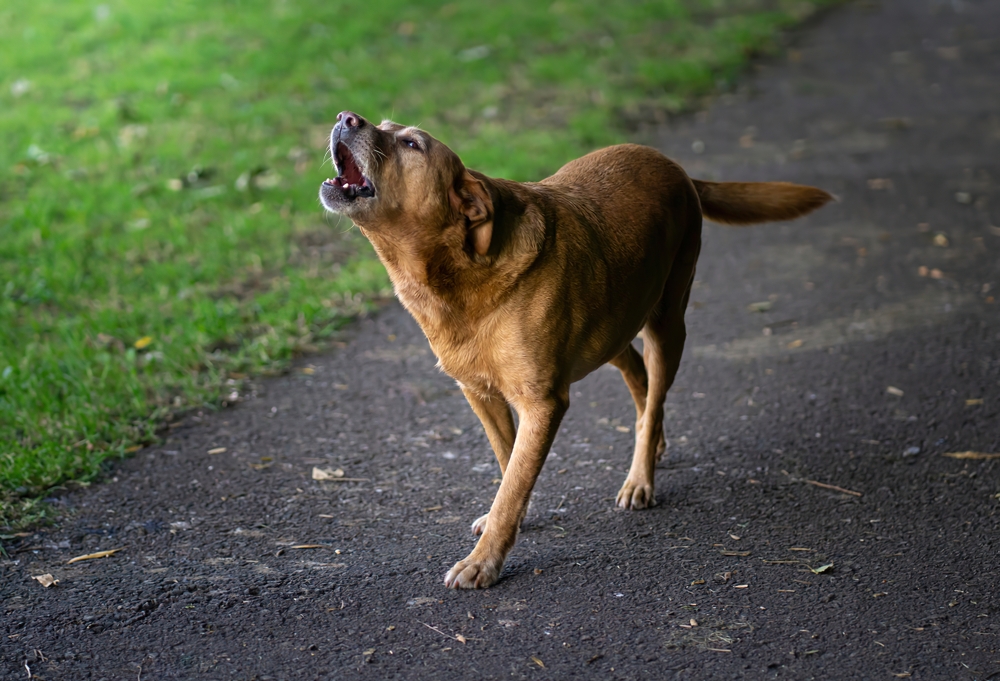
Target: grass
{"x":160,"y":237}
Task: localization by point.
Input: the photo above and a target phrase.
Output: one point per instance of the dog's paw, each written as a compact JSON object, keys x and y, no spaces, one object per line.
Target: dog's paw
{"x":479,"y":524}
{"x":633,"y":496}
{"x":472,"y":574}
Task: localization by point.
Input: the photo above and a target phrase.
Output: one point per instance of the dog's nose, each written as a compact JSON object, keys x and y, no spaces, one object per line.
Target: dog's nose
{"x":350,"y":119}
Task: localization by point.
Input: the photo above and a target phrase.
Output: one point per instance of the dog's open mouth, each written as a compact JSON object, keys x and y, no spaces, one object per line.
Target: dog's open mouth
{"x":350,"y":180}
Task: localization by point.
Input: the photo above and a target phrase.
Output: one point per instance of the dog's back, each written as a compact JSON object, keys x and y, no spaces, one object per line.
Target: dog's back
{"x":627,"y":180}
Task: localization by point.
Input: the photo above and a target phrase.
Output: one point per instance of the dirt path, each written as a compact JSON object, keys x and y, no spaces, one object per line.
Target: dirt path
{"x":892,"y":105}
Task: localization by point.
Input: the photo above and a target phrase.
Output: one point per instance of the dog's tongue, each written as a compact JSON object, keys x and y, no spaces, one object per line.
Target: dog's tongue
{"x":350,"y":170}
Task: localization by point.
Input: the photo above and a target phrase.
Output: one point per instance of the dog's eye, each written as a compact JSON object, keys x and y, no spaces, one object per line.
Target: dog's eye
{"x":411,"y":143}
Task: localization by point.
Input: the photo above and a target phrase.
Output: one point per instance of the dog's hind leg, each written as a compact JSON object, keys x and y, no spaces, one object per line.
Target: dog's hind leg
{"x":629,"y":362}
{"x":494,"y":413}
{"x":663,"y":343}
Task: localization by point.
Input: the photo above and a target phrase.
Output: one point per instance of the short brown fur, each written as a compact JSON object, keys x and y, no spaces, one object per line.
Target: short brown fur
{"x":524,"y":288}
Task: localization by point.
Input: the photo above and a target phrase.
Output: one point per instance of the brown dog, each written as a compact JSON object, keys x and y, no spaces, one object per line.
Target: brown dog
{"x":524,"y":288}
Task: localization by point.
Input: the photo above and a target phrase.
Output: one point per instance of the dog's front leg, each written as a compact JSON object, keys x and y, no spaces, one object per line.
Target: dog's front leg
{"x":539,"y":420}
{"x":494,"y":413}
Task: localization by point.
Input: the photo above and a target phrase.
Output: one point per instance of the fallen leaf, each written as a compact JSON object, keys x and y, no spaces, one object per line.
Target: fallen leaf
{"x":326,"y":473}
{"x":91,"y":556}
{"x":878,"y":183}
{"x":821,"y":569}
{"x":973,"y":402}
{"x":893,"y":390}
{"x":937,"y":274}
{"x":217,"y":450}
{"x":736,"y":553}
{"x":941,"y":240}
{"x":461,"y":639}
{"x":741,"y":586}
{"x":697,"y":582}
{"x":370,"y":651}
{"x":762,"y":306}
{"x":143,"y":342}
{"x":430,"y":509}
{"x":972,"y":455}
{"x":538,"y":571}
{"x":133,"y":449}
{"x":538,"y":662}
{"x":795,"y":344}
{"x":308,"y":371}
{"x":45,"y":580}
{"x":694,"y":622}
{"x":623,"y":429}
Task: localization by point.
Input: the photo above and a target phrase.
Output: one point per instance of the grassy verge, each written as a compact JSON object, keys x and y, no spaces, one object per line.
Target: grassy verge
{"x":160,"y":239}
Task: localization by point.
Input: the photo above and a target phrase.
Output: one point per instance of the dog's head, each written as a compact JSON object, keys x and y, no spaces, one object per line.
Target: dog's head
{"x":398,"y":181}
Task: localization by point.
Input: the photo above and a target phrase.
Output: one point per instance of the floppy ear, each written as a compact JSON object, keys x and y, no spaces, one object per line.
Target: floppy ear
{"x":471,"y":200}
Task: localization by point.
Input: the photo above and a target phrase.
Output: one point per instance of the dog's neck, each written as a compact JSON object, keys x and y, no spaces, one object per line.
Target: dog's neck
{"x":442,"y":282}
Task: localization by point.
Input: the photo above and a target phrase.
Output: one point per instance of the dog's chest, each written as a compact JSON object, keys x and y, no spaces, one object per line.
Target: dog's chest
{"x":464,"y":352}
{"x":468,"y":359}
{"x":468,"y":341}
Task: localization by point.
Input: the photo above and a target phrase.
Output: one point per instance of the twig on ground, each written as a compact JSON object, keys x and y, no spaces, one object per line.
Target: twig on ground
{"x":461,"y":639}
{"x":833,"y":487}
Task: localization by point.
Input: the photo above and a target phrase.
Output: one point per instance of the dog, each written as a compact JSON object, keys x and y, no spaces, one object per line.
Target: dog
{"x":525,"y":288}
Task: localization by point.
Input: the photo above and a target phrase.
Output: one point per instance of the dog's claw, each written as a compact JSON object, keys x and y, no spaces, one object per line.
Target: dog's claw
{"x":479,"y":524}
{"x":634,"y":496}
{"x":469,"y":574}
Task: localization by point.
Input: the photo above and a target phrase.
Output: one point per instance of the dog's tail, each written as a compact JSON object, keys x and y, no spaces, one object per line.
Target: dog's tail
{"x":746,"y":203}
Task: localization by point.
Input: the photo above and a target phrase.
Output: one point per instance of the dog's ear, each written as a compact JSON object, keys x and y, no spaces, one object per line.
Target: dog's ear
{"x":471,"y":201}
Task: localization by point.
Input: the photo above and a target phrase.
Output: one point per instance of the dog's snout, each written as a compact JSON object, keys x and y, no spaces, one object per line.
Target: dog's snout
{"x":350,"y":119}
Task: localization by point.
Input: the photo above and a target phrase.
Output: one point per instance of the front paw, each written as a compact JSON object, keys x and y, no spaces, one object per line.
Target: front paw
{"x":479,"y":524}
{"x":634,"y":496}
{"x":472,"y":574}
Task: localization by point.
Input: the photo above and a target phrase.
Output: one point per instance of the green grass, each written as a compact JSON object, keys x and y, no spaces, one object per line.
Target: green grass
{"x":160,"y":237}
